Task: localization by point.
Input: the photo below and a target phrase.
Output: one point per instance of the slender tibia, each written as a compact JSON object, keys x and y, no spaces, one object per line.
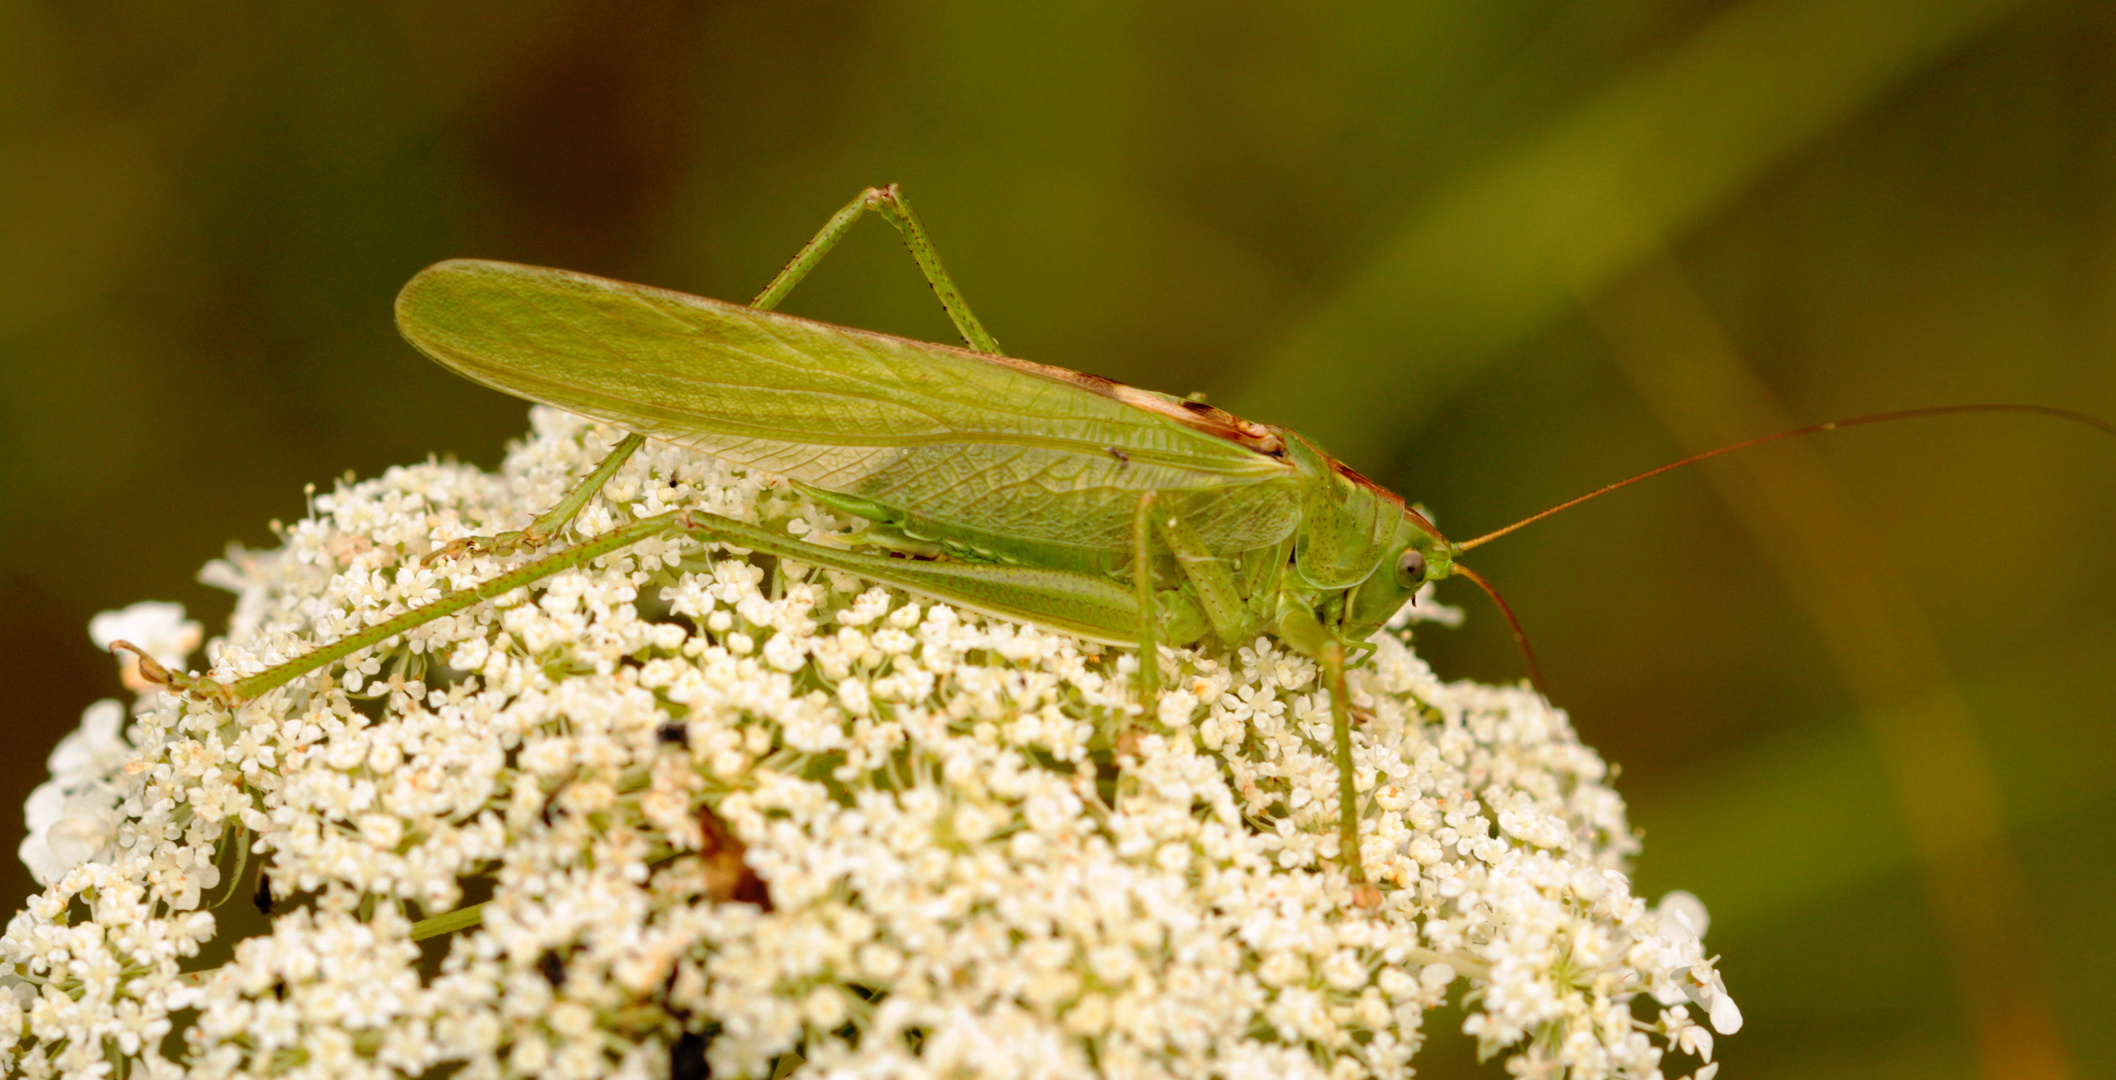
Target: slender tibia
{"x":1363,"y":892}
{"x":587,"y":551}
{"x":811,"y":253}
{"x":1142,"y":573}
{"x":558,"y":517}
{"x":1297,"y":626}
{"x":561,"y":514}
{"x":891,"y":205}
{"x":886,"y":201}
{"x":889,"y":202}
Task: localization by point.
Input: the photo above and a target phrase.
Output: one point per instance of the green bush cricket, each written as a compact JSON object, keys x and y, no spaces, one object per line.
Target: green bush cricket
{"x":1027,"y":492}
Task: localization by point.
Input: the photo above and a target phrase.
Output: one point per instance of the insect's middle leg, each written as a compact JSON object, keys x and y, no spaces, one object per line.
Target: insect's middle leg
{"x":1142,"y":575}
{"x":1209,"y":580}
{"x":1212,"y":579}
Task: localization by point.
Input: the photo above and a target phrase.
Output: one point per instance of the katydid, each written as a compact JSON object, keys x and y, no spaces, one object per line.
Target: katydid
{"x":1030,"y":492}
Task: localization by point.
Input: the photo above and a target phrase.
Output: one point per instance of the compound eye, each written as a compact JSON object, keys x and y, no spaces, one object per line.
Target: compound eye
{"x":1410,"y":568}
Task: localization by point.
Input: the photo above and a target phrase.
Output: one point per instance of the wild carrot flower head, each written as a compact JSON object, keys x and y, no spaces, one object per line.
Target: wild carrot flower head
{"x":692,"y":802}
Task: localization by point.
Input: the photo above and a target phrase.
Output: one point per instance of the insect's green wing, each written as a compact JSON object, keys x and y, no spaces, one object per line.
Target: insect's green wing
{"x":985,"y":446}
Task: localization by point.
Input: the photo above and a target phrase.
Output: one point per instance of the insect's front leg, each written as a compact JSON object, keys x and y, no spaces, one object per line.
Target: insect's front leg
{"x":1298,"y":627}
{"x":1234,"y":619}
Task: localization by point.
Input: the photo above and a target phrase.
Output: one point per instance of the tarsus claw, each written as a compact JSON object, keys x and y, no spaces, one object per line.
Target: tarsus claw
{"x":501,"y":544}
{"x":176,"y":681}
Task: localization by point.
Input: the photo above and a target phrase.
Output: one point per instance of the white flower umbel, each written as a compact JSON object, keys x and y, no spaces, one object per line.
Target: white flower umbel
{"x":724,"y":805}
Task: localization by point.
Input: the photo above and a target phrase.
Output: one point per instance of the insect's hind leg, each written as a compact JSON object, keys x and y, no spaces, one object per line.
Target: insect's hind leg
{"x":561,"y":514}
{"x":886,"y":201}
{"x":249,"y":687}
{"x":890,"y":203}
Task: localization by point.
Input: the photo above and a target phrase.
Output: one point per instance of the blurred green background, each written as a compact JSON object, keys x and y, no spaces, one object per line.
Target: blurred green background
{"x":1491,"y":254}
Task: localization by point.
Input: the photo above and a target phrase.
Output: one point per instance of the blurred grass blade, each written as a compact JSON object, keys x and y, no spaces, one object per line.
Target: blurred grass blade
{"x":1788,"y":834}
{"x":1799,"y":793}
{"x":1811,"y":530}
{"x":1499,"y":255}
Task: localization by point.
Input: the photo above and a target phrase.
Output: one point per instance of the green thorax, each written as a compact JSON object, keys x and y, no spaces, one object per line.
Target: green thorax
{"x":1348,"y":524}
{"x":1349,"y":549}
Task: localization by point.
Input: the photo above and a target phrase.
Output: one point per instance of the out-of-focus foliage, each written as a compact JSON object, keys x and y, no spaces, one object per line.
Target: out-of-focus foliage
{"x":1494,"y":253}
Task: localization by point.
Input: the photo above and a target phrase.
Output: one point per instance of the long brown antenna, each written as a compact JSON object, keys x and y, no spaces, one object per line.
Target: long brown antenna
{"x":1906,"y":414}
{"x":1535,"y":669}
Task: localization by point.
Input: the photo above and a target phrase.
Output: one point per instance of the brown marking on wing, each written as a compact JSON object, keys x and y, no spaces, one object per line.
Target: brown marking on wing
{"x":1354,"y":476}
{"x":1200,"y":417}
{"x":1417,"y":519}
{"x":1195,"y":415}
